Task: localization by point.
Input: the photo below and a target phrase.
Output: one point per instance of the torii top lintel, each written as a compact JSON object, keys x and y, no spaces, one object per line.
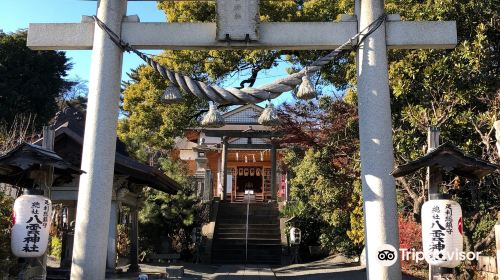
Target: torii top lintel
{"x":246,"y":32}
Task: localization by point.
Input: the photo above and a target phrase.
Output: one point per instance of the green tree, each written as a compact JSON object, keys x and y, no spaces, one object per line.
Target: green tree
{"x":170,"y":216}
{"x":150,"y":127}
{"x":324,"y":161}
{"x":30,"y":81}
{"x":456,"y":89}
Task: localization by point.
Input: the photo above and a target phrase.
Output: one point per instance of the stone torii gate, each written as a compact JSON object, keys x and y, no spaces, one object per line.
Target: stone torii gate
{"x":94,"y":196}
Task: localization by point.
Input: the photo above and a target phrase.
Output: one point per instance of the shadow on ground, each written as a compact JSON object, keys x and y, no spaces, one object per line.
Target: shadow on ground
{"x":320,"y":270}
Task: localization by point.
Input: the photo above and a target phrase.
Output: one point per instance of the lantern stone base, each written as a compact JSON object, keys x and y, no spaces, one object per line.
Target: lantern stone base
{"x":175,"y":272}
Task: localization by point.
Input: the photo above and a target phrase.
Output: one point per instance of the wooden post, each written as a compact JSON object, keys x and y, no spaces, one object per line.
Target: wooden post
{"x":44,"y":179}
{"x":48,"y":143}
{"x":434,"y":178}
{"x":224,"y":167}
{"x":273,"y":172}
{"x":433,"y":174}
{"x":134,"y":241}
{"x":113,"y":222}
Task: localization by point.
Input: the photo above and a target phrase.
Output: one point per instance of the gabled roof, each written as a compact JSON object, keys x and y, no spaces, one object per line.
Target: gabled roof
{"x":241,"y":118}
{"x":449,"y":158}
{"x":245,"y":114}
{"x":26,"y":157}
{"x":242,"y":108}
{"x":70,"y":122}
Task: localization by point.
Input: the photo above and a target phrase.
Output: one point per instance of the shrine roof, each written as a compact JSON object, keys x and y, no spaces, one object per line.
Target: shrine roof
{"x":25,"y":157}
{"x":70,"y":122}
{"x":241,"y":118}
{"x":449,"y":158}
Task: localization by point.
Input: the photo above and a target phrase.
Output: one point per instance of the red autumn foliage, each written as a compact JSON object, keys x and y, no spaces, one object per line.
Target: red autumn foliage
{"x":307,"y":125}
{"x":328,"y":125}
{"x":410,"y":237}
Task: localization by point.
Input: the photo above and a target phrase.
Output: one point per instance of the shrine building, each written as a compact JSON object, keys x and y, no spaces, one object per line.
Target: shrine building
{"x":245,"y":225}
{"x":242,"y":145}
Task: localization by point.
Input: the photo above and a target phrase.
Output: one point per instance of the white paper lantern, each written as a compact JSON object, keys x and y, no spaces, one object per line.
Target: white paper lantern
{"x":295,"y":236}
{"x":442,"y":234}
{"x":30,"y":232}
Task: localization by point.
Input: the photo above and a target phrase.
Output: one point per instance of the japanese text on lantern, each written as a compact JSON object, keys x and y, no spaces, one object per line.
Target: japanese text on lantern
{"x":34,"y":225}
{"x":448,"y":219}
{"x":437,"y":233}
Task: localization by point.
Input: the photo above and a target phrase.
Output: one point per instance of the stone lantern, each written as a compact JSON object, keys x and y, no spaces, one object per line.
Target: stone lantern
{"x":201,"y":158}
{"x":203,"y":174}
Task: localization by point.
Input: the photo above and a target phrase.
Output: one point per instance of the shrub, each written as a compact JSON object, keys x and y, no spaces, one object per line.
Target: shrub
{"x":7,"y":260}
{"x":55,"y":246}
{"x":410,"y":237}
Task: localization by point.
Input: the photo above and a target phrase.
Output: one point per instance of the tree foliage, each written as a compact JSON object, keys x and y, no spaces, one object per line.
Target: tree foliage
{"x":170,"y":216}
{"x":324,"y":161}
{"x":30,"y":81}
{"x":455,"y":89}
{"x":150,"y":127}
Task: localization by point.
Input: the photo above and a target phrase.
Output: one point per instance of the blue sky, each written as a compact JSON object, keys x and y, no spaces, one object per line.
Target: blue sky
{"x":17,"y":14}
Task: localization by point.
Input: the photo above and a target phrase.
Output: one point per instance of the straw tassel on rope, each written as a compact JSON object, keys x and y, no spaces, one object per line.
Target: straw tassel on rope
{"x":172,"y":95}
{"x":245,"y":95}
{"x":306,"y":89}
{"x":213,"y":118}
{"x":269,"y":116}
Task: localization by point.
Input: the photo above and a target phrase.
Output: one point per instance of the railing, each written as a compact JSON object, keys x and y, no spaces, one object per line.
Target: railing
{"x":247,"y":195}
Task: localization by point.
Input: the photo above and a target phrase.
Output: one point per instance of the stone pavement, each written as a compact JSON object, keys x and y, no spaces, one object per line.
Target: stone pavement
{"x":326,"y":269}
{"x":247,"y":272}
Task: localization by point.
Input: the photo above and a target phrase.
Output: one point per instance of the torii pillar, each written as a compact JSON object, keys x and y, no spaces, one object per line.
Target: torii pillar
{"x":375,"y":134}
{"x":99,"y":146}
{"x":94,"y":196}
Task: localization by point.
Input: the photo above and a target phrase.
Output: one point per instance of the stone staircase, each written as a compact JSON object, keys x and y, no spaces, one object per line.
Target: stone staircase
{"x":264,"y":243}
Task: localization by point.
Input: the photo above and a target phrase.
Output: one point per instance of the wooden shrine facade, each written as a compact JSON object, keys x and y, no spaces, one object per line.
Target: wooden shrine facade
{"x":241,"y":152}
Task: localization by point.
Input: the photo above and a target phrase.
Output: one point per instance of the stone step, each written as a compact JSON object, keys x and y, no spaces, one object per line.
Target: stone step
{"x":240,"y":249}
{"x":251,"y":231}
{"x":263,"y":246}
{"x":243,"y":225}
{"x":254,"y":243}
{"x":243,"y":219}
{"x":252,"y":221}
{"x":228,"y":254}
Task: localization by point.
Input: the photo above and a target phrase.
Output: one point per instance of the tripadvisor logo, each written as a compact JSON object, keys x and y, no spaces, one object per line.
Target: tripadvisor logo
{"x":387,"y":255}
